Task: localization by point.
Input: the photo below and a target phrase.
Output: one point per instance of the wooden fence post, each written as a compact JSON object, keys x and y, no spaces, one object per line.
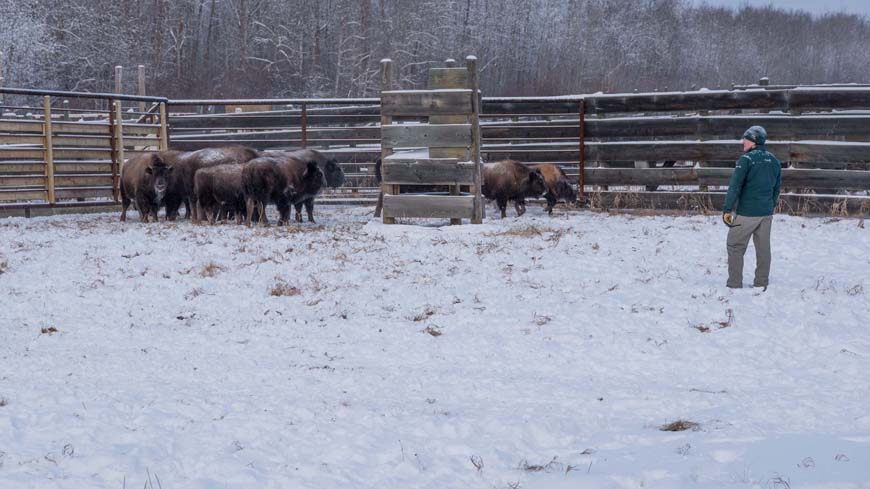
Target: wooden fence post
{"x":304,"y":125}
{"x":581,"y":178}
{"x":386,"y":85}
{"x":141,"y":86}
{"x":1,"y":75}
{"x":49,"y":149}
{"x":65,"y":110}
{"x":117,"y":143}
{"x":479,"y":212}
{"x":164,"y":128}
{"x":119,"y":71}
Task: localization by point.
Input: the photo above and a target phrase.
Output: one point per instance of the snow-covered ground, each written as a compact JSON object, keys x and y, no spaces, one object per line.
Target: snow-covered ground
{"x":534,"y":352}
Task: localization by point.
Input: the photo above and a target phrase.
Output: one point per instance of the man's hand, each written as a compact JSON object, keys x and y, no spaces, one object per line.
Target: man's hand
{"x":728,"y":219}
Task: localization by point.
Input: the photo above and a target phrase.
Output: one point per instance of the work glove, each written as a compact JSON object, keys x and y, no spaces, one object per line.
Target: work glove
{"x":728,"y":219}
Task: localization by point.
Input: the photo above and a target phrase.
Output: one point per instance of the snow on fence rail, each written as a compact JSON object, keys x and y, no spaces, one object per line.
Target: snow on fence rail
{"x":636,"y":142}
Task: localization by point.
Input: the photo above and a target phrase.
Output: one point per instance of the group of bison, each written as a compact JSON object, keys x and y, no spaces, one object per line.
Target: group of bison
{"x":235,"y":182}
{"x":219,"y":183}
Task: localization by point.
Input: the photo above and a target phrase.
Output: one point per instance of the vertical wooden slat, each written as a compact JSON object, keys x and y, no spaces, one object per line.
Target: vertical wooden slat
{"x":463,"y":154}
{"x":118,"y":153}
{"x":49,"y":150}
{"x":386,"y":85}
{"x":164,"y":128}
{"x":141,"y":86}
{"x":119,"y":86}
{"x":479,"y":211}
{"x":304,"y":124}
{"x":581,"y":183}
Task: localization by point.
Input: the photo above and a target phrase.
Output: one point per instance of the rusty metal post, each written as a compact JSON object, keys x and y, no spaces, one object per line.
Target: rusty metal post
{"x":581,"y":180}
{"x":304,"y":124}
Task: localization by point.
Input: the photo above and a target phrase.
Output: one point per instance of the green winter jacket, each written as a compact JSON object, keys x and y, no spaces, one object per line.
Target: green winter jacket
{"x":755,"y":184}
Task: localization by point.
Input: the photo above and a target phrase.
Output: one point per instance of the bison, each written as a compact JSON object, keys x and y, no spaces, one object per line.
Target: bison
{"x":278,"y":180}
{"x":296,"y":163}
{"x":557,"y":184}
{"x":145,"y":179}
{"x":511,"y":180}
{"x":218,"y":190}
{"x":188,"y":163}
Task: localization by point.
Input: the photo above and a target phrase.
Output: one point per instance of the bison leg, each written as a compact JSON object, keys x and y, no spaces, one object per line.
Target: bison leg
{"x":309,"y":208}
{"x":249,"y":208}
{"x":551,"y":202}
{"x":502,"y":206}
{"x":520,"y":206}
{"x":125,"y":204}
{"x":261,"y":211}
{"x":197,"y":213}
{"x":187,"y":209}
{"x":144,"y":208}
{"x":298,"y":211}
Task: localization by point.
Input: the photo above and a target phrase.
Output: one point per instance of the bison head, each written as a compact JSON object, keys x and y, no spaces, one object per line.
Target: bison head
{"x":334,"y":174}
{"x":158,"y":172}
{"x":535,"y":186}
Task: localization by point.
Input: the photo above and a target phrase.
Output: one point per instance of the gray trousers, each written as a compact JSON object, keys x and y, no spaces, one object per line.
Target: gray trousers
{"x":758,"y":228}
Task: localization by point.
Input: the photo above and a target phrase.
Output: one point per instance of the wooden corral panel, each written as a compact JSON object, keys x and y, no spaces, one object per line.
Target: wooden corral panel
{"x":429,"y":206}
{"x":426,"y":135}
{"x":426,"y":102}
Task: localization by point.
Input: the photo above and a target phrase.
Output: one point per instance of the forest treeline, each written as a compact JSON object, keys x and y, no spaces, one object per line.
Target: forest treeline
{"x":283,"y":48}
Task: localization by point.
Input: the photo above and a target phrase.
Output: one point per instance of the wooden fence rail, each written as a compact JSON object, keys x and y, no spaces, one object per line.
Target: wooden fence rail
{"x":822,"y":134}
{"x":55,"y":161}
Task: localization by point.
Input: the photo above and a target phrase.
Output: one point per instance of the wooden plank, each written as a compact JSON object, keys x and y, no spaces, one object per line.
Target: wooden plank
{"x":21,"y":195}
{"x":22,"y":181}
{"x":799,"y":204}
{"x":448,"y":78}
{"x":83,"y":154}
{"x":84,"y":193}
{"x":827,"y":99}
{"x":49,"y":150}
{"x":426,"y":102}
{"x":262,"y":121}
{"x":716,"y":127}
{"x":372,"y":133}
{"x":12,"y":168}
{"x":32,"y":139}
{"x":83,"y":180}
{"x":429,"y":206}
{"x":432,"y":171}
{"x":425,"y":135}
{"x":18,"y":126}
{"x":82,"y":141}
{"x":799,"y":178}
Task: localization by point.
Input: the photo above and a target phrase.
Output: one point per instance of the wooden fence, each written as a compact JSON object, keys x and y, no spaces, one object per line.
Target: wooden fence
{"x":55,"y":156}
{"x":682,"y":144}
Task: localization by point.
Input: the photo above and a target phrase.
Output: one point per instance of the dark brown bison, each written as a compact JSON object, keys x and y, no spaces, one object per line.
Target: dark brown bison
{"x":278,"y":180}
{"x":188,"y":163}
{"x":511,"y":180}
{"x":295,"y":162}
{"x":145,"y":180}
{"x":557,"y":184}
{"x":219,"y":191}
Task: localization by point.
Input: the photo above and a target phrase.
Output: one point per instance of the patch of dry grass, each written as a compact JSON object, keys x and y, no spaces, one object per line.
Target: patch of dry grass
{"x":49,"y":330}
{"x":681,"y":425}
{"x":211,"y":269}
{"x":283,"y":289}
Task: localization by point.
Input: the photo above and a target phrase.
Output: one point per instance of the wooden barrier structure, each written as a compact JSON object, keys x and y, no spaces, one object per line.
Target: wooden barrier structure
{"x":443,"y":151}
{"x":682,"y":143}
{"x":56,"y":161}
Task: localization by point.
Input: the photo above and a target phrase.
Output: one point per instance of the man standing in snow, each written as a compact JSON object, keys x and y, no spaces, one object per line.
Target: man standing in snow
{"x":754,"y":188}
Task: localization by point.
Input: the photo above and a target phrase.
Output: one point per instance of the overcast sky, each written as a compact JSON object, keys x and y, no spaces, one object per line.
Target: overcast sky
{"x":814,"y":6}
